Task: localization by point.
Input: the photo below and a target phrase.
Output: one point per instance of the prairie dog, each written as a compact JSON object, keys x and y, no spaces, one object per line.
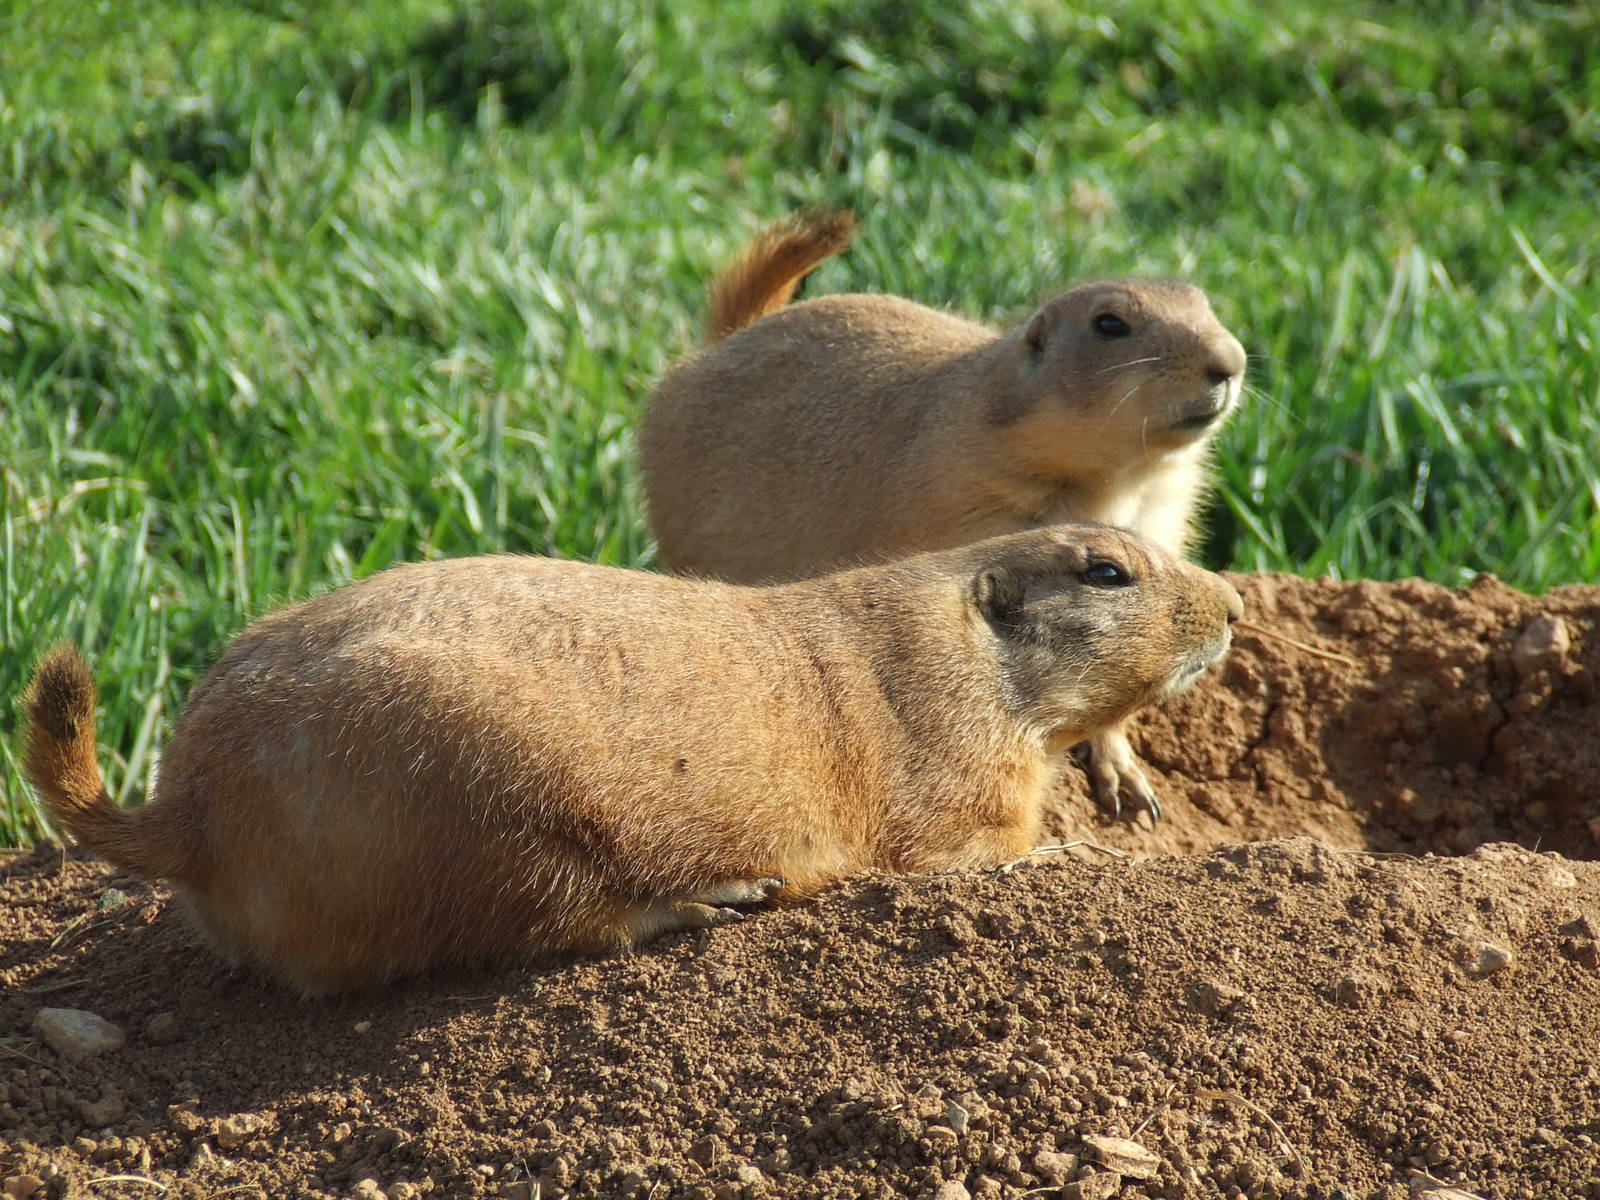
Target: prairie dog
{"x":503,"y":755}
{"x":856,"y":428}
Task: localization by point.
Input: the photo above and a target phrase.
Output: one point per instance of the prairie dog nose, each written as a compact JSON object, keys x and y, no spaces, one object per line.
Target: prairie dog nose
{"x":1234,"y":601}
{"x":1227,"y":359}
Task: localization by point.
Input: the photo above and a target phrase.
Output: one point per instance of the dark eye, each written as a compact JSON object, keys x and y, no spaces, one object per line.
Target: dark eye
{"x":1110,"y":325}
{"x":1107,"y":574}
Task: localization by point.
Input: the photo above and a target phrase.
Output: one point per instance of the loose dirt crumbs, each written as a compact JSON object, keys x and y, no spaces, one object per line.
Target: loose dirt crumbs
{"x":1393,"y":996}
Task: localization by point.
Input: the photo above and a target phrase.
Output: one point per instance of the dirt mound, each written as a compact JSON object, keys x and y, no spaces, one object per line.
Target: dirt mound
{"x":1465,"y":716}
{"x":1320,"y":1016}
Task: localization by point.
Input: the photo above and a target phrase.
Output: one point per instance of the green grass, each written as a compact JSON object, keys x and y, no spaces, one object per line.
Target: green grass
{"x":292,"y":291}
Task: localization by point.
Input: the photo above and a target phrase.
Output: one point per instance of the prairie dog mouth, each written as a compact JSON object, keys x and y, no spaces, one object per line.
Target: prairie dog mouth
{"x":1200,"y":418}
{"x":1207,"y":411}
{"x":1194,"y":665}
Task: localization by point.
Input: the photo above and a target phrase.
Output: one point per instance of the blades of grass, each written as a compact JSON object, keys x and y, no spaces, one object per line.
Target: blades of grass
{"x":1537,"y":265}
{"x":138,"y":768}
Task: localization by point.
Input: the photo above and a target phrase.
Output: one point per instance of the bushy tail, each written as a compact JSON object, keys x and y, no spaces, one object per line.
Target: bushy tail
{"x":59,"y":761}
{"x":764,"y":276}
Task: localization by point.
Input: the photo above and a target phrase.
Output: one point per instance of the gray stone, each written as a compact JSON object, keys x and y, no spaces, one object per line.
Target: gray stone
{"x":76,"y":1034}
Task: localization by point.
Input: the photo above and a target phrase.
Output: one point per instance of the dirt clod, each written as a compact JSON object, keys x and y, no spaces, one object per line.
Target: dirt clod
{"x":1093,"y":1187}
{"x":234,"y":1131}
{"x":1052,"y":1166}
{"x":1214,"y":997}
{"x":104,"y":1111}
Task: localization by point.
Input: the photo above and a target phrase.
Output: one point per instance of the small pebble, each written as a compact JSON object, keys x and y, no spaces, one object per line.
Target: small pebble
{"x":1123,"y":1156}
{"x":1487,"y":959}
{"x":1543,"y":642}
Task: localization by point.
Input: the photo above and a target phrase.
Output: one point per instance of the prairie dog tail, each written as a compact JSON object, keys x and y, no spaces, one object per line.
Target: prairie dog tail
{"x":59,"y":761}
{"x":767,"y":271}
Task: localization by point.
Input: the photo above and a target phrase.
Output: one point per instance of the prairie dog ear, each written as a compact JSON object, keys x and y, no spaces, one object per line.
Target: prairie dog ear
{"x":1038,"y":331}
{"x":997,"y":593}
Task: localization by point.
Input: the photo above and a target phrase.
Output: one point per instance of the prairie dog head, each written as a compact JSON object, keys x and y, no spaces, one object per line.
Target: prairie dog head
{"x":1090,"y":622}
{"x":1121,"y":370}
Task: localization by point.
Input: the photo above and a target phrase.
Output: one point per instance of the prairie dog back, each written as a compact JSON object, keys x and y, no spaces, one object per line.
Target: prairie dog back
{"x":500,"y":756}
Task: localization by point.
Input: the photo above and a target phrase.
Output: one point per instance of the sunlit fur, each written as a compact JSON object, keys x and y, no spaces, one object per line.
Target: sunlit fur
{"x":510,"y":755}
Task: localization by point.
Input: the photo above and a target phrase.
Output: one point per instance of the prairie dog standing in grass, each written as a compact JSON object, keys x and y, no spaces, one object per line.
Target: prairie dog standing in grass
{"x":504,"y":755}
{"x":856,"y":428}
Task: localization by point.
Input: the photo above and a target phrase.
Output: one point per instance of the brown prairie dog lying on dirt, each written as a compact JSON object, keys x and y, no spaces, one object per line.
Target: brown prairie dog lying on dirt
{"x":855,"y":428}
{"x":505,"y":755}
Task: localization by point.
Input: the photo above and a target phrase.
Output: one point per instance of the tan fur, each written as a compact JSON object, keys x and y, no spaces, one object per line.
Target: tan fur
{"x":506,"y":755}
{"x":855,"y":428}
{"x":59,"y":758}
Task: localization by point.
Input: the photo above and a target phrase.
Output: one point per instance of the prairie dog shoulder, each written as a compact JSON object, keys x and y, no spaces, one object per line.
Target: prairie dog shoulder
{"x":853,"y":428}
{"x":516,"y":756}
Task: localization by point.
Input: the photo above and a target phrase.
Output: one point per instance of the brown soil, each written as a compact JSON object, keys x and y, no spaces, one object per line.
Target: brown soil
{"x":1327,"y":1015}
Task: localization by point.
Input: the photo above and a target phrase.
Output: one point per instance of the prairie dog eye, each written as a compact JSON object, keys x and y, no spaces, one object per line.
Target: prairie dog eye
{"x":1109,"y":325}
{"x":1107,"y":574}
